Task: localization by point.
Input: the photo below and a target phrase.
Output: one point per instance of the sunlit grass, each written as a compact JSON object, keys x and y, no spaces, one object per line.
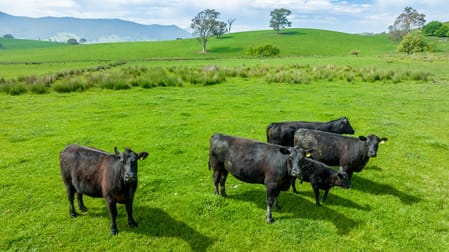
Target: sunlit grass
{"x":392,"y":205}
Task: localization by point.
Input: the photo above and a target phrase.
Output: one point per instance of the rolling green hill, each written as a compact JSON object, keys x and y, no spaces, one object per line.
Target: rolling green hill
{"x":19,"y":44}
{"x":293,"y":42}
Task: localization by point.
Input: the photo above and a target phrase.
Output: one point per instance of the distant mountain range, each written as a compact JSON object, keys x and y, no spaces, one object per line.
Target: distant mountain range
{"x":92,"y":30}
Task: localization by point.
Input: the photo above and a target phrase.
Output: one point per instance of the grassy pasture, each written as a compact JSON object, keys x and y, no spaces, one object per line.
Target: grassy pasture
{"x":398,"y":202}
{"x":295,"y":42}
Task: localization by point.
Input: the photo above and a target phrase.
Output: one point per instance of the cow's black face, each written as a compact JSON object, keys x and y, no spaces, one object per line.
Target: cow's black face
{"x":128,"y":160}
{"x":345,"y":126}
{"x":295,"y":157}
{"x":342,"y":179}
{"x":373,"y":142}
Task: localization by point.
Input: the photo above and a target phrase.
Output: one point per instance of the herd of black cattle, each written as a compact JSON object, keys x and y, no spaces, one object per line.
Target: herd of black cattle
{"x":303,"y":150}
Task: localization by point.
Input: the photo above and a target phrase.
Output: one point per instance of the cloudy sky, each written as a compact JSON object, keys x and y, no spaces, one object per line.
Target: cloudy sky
{"x":352,"y":16}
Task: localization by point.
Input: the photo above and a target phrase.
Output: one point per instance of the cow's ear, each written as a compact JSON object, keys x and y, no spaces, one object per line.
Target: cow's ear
{"x":383,"y":140}
{"x":362,"y":138}
{"x":143,"y":155}
{"x":284,"y":150}
{"x":116,"y":152}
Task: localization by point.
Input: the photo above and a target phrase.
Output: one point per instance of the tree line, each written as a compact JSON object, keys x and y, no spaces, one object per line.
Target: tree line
{"x":409,"y":31}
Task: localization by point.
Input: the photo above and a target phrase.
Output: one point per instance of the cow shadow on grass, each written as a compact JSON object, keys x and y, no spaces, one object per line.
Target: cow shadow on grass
{"x":152,"y":222}
{"x":156,"y":222}
{"x":299,"y":207}
{"x":376,"y":188}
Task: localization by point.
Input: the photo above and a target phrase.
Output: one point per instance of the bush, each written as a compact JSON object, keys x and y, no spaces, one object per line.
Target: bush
{"x":72,"y":85}
{"x":39,"y":88}
{"x":266,"y":50}
{"x":13,"y":88}
{"x":413,"y":43}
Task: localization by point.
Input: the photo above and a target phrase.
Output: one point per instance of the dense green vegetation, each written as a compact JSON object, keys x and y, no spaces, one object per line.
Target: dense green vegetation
{"x":398,"y":202}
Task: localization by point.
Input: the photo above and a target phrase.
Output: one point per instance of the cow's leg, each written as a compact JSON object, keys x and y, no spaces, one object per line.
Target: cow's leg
{"x":325,"y":195}
{"x":217,"y":176}
{"x":316,"y":190}
{"x":271,"y":198}
{"x":293,"y":184}
{"x":71,"y":196}
{"x":81,"y":205}
{"x":224,"y":175}
{"x":112,"y":205}
{"x":349,"y":174}
{"x":129,"y":210}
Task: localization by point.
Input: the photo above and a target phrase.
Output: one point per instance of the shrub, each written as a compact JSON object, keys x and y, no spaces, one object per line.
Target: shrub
{"x":266,"y":50}
{"x":13,"y":88}
{"x":413,"y":43}
{"x":39,"y":88}
{"x":114,"y":81}
{"x":72,"y":85}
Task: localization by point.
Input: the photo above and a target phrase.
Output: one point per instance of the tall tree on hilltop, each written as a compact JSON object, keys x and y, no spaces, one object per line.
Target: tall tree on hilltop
{"x":204,"y":25}
{"x":230,"y":22}
{"x":279,"y":19}
{"x":405,"y":22}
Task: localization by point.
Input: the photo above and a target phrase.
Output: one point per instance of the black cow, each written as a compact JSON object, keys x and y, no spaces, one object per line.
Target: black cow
{"x":282,"y":133}
{"x":322,"y":177}
{"x":97,"y":173}
{"x":254,"y":162}
{"x":350,"y":153}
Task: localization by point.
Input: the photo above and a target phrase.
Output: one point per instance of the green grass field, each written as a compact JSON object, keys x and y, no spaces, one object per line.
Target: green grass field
{"x":397,"y":203}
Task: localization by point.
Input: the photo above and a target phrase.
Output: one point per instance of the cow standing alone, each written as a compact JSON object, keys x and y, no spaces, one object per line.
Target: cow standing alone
{"x":282,"y":133}
{"x":97,"y":173}
{"x":254,"y":162}
{"x":350,"y":153}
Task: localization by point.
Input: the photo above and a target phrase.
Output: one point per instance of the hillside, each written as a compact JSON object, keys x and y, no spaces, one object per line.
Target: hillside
{"x":19,"y":44}
{"x":93,"y":30}
{"x":294,"y":42}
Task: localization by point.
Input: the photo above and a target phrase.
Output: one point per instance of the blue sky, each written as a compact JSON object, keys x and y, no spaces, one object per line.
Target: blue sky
{"x":352,"y":16}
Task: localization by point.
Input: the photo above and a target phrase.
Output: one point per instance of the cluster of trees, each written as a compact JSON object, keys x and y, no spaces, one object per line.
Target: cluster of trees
{"x":436,"y":28}
{"x":206,"y":24}
{"x":409,"y":30}
{"x":73,"y":41}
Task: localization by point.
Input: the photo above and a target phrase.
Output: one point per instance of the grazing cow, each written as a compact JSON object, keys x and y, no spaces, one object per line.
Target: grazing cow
{"x":254,"y":162}
{"x":97,"y":173}
{"x":322,"y":177}
{"x":350,"y":153}
{"x":282,"y":133}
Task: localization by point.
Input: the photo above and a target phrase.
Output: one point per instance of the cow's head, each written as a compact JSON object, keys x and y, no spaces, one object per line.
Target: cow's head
{"x":295,"y":157}
{"x":373,"y":141}
{"x":341,"y":178}
{"x":344,"y":127}
{"x":128,"y":164}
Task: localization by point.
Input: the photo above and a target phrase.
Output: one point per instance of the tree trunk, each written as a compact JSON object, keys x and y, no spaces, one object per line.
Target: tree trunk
{"x":204,"y":45}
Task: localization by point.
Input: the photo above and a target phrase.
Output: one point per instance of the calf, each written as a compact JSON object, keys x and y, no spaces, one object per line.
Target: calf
{"x":282,"y":133}
{"x":322,"y":177}
{"x":97,"y":173}
{"x":254,"y":162}
{"x":350,"y":153}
